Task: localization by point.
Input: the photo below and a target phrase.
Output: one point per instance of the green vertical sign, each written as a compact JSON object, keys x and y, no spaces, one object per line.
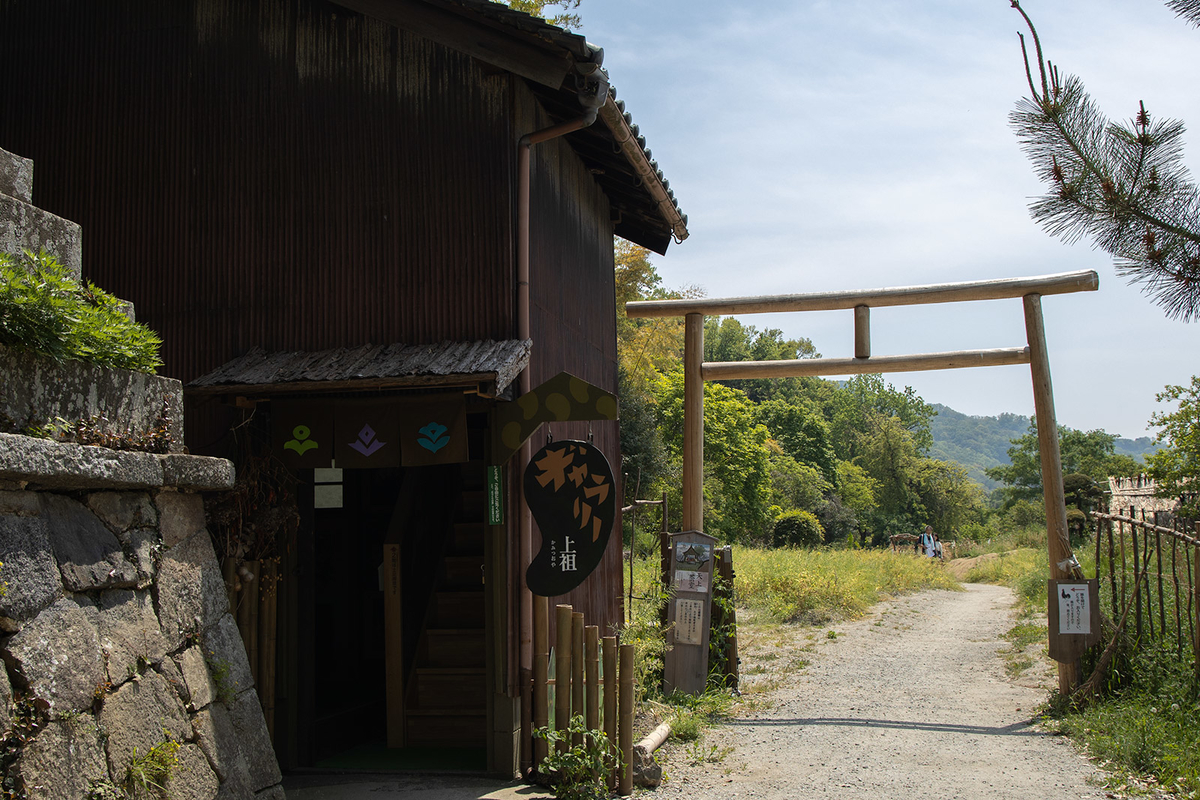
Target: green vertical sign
{"x":495,"y":496}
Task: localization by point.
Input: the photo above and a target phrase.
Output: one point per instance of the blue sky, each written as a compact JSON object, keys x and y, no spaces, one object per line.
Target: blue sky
{"x":820,"y":146}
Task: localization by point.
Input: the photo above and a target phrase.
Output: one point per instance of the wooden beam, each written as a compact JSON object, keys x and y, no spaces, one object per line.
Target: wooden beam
{"x":506,"y":49}
{"x":1057,"y":541}
{"x":1064,"y":283}
{"x":693,"y":423}
{"x":862,"y":331}
{"x":732,"y":370}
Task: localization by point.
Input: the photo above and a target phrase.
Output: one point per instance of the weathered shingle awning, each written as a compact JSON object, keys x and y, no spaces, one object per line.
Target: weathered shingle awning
{"x":486,"y":367}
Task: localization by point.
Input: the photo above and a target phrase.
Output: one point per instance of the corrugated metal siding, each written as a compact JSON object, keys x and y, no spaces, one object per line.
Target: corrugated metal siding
{"x":573,"y":323}
{"x":278,"y":173}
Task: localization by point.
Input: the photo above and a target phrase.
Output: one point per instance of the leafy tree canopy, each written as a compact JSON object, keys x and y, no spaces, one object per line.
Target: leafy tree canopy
{"x":567,"y":16}
{"x":1176,"y":467}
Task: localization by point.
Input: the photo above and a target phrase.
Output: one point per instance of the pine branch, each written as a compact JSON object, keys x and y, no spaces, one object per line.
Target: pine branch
{"x":1122,"y":184}
{"x":1188,"y":9}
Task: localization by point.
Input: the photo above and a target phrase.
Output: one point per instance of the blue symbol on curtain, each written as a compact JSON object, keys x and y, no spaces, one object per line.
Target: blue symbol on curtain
{"x":367,"y":444}
{"x":434,"y":437}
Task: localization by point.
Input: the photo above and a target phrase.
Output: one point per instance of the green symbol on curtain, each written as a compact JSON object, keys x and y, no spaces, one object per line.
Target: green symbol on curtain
{"x":301,"y":444}
{"x":433,"y":437}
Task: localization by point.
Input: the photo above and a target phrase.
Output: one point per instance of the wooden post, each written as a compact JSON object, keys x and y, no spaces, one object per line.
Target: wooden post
{"x":862,"y":331}
{"x":664,"y":555}
{"x":610,"y":702}
{"x":541,"y":674}
{"x":591,"y":649}
{"x":248,"y":615}
{"x":577,"y":685}
{"x":693,"y":423}
{"x":1057,"y":541}
{"x":562,"y":671}
{"x":625,"y":786}
{"x":730,"y":619}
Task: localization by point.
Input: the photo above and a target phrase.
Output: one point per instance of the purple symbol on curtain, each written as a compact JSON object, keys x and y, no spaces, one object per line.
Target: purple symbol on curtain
{"x":367,"y":444}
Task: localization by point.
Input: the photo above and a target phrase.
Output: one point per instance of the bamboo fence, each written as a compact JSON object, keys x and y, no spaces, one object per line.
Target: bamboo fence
{"x":252,"y":589}
{"x":1150,"y":575}
{"x":602,"y":695}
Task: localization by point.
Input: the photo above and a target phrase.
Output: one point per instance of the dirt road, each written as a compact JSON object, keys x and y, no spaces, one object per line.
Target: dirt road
{"x":909,"y":702}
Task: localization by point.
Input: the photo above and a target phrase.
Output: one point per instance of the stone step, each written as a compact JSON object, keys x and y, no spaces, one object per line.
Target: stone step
{"x":458,"y":688}
{"x":16,"y":176}
{"x":24,"y":226}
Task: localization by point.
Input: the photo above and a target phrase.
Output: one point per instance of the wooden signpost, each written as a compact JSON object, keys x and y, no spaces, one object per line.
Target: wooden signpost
{"x":685,"y":665}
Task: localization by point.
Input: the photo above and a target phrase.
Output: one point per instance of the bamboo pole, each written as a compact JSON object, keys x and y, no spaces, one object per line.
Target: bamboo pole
{"x":591,"y":650}
{"x":1137,"y":570}
{"x":1124,"y":562}
{"x":1057,"y":542}
{"x":916,"y":362}
{"x":1062,"y":283}
{"x":1175,"y":584}
{"x":267,"y":622}
{"x":577,"y":685}
{"x":248,"y":614}
{"x":610,"y":702}
{"x":625,"y":786}
{"x":693,"y":423}
{"x":541,"y":674}
{"x":1112,"y":575}
{"x":562,"y":672}
{"x":664,"y":556}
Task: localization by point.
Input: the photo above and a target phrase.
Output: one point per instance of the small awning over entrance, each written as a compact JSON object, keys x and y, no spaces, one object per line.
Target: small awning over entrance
{"x":487,"y":368}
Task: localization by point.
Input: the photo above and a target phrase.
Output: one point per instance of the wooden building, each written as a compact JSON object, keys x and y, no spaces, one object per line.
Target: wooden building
{"x":325,"y":202}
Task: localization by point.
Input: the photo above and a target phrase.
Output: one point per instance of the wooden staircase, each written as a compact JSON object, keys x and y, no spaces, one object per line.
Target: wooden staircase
{"x":446,"y":695}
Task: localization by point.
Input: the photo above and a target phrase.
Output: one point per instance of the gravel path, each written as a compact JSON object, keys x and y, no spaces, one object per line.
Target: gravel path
{"x":909,"y":702}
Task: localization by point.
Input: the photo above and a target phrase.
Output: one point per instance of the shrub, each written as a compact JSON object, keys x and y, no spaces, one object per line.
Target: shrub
{"x":45,"y":310}
{"x":798,"y":529}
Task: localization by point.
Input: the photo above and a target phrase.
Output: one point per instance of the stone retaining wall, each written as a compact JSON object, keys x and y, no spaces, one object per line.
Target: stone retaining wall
{"x":115,"y":631}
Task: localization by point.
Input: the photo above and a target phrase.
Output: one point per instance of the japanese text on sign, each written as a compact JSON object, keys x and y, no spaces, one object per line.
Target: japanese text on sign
{"x":687,"y":580}
{"x":1074,"y":615}
{"x":689,"y":621}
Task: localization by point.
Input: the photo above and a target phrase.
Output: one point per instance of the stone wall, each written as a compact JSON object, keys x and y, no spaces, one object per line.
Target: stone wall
{"x":116,"y":634}
{"x":1137,"y":494}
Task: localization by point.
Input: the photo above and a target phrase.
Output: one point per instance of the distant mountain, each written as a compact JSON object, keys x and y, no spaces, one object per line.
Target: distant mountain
{"x":981,"y":442}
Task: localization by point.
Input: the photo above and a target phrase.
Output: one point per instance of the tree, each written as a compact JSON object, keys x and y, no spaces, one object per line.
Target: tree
{"x":801,"y":433}
{"x":852,"y":404}
{"x":1176,"y":467}
{"x":736,"y":479}
{"x":646,"y":348}
{"x":797,"y":529}
{"x":1091,"y":453}
{"x":567,"y":19}
{"x":1123,"y":184}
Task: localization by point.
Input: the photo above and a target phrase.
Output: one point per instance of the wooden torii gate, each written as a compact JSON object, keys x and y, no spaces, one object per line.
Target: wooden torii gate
{"x":1030,"y":290}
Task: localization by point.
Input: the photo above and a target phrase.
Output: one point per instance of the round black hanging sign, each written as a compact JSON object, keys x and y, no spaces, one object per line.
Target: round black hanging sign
{"x":570,"y":492}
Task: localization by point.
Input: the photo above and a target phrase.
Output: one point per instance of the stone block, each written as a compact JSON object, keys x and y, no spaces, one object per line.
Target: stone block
{"x":190,"y":591}
{"x":16,"y":176}
{"x":88,"y":554}
{"x":63,"y":760}
{"x":145,"y":544}
{"x":57,"y":655}
{"x":170,"y":672}
{"x":196,"y":679}
{"x":217,"y":737}
{"x":56,"y":465}
{"x":180,"y":516}
{"x":192,"y":778}
{"x":223,"y":647}
{"x":141,"y":714}
{"x":20,"y":503}
{"x":129,"y":632}
{"x":121,"y":511}
{"x":46,"y":389}
{"x":25,"y":551}
{"x":271,"y":793}
{"x":24,"y":226}
{"x":5,"y":699}
{"x":197,"y":473}
{"x":237,"y":787}
{"x":251,"y":728}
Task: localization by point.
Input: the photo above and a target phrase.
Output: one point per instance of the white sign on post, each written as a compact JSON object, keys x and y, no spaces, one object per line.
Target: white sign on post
{"x":689,"y":621}
{"x":1074,"y":613}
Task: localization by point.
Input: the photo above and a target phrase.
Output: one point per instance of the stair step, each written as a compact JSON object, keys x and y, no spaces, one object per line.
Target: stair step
{"x":458,"y":609}
{"x":460,"y":688}
{"x":454,"y":647}
{"x":446,"y":727}
{"x":464,"y":572}
{"x":16,"y":176}
{"x":26,"y":227}
{"x":468,"y":538}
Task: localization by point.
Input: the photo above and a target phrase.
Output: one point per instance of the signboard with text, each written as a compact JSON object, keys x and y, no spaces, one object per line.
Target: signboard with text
{"x":685,"y":664}
{"x":1074,"y":617}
